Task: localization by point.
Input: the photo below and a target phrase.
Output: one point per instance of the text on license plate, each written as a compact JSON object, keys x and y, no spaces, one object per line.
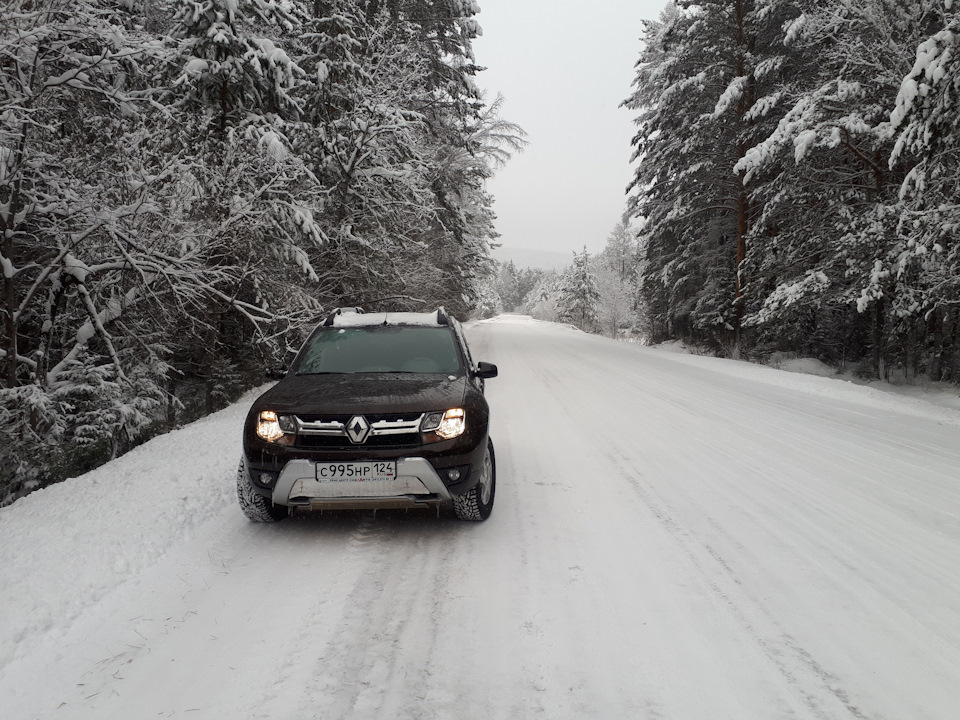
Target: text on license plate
{"x":373,"y":471}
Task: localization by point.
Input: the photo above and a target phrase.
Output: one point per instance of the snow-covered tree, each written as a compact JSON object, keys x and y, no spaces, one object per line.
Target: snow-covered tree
{"x":488,"y":302}
{"x":401,"y":140}
{"x":833,"y":132}
{"x":616,"y":271}
{"x":925,"y":259}
{"x":541,"y":301}
{"x":79,"y":278}
{"x":514,"y":285}
{"x":707,"y":86}
{"x":824,"y":183}
{"x":578,"y":296}
{"x":224,"y":165}
{"x":185,"y":186}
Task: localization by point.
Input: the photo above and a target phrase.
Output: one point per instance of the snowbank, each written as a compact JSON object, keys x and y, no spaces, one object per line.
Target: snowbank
{"x":90,"y":534}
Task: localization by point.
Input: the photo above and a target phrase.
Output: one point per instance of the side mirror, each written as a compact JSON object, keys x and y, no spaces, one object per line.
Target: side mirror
{"x":276,"y":373}
{"x":486,"y":370}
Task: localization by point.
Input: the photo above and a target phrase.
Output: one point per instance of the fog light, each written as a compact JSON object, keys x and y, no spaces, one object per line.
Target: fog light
{"x":453,"y":474}
{"x":267,"y":479}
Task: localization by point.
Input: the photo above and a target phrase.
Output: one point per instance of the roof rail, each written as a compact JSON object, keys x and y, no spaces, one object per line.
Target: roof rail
{"x":442,"y":318}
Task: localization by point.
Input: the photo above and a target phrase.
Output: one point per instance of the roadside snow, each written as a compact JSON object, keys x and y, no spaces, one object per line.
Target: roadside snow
{"x":942,"y":394}
{"x":67,"y":546}
{"x":813,"y":377}
{"x":806,"y":366}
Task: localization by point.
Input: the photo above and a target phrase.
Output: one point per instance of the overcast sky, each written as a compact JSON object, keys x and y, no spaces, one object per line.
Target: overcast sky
{"x":564,"y":68}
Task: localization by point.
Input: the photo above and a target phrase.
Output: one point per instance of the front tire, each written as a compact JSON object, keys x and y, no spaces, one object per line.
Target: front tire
{"x":254,"y":505}
{"x":476,"y":504}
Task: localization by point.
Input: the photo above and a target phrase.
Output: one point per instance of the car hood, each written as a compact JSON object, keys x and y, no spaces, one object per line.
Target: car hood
{"x":337,"y":393}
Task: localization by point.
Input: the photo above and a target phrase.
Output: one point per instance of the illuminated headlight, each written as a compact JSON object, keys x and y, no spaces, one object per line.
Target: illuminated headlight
{"x":447,"y":425}
{"x":273,"y":427}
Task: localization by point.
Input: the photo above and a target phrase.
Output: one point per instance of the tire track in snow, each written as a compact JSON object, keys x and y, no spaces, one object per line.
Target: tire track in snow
{"x":372,"y":662}
{"x":584,"y":667}
{"x":852,"y":538}
{"x":779,"y":646}
{"x":782,"y":650}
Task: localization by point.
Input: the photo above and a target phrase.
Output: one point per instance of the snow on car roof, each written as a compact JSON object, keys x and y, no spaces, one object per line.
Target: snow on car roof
{"x":392,"y":318}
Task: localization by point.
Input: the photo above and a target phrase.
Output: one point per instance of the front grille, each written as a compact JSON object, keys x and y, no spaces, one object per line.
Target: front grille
{"x":384,"y":431}
{"x":372,"y":418}
{"x":374,"y":441}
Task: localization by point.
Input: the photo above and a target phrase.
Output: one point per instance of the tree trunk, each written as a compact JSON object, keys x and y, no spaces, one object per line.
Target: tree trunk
{"x":7,"y":222}
{"x":10,"y":324}
{"x":171,"y":403}
{"x":743,"y":227}
{"x":210,"y":360}
{"x":952,"y":346}
{"x":879,"y":369}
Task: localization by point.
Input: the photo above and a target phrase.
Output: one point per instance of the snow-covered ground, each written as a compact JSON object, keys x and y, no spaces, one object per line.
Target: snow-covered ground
{"x":674,"y":537}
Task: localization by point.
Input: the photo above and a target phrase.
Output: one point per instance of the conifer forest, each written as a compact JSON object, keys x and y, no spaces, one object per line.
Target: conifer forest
{"x":188,"y":186}
{"x":797,"y":181}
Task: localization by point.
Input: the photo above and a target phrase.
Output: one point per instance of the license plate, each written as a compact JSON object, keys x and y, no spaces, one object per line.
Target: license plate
{"x":373,"y":471}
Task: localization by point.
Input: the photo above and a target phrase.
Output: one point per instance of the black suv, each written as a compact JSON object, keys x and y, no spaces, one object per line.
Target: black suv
{"x":380,"y":410}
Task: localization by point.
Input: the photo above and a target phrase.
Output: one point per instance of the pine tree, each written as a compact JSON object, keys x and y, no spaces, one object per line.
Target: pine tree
{"x":844,"y":250}
{"x":399,"y":136}
{"x":579,"y":295}
{"x":925,"y":260}
{"x":239,"y":193}
{"x":706,"y":89}
{"x":824,"y":183}
{"x":616,"y":272}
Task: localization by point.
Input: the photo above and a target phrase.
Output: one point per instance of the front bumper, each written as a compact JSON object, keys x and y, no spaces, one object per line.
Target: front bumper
{"x":417,"y":485}
{"x":287,"y":475}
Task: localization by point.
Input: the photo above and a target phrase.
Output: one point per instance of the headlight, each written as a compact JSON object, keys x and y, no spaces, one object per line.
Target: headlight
{"x":447,"y":425}
{"x":273,"y":427}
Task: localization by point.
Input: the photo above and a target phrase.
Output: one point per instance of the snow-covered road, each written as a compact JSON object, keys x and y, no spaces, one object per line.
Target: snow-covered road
{"x":674,"y":537}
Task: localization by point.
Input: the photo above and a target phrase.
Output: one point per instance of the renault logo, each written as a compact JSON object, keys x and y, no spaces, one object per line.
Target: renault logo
{"x":357,"y":429}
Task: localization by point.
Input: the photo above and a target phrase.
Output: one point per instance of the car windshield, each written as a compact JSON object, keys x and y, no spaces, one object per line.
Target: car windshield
{"x":381,"y":349}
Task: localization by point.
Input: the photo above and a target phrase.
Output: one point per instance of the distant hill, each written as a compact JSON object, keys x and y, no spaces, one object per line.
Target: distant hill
{"x":528,"y":257}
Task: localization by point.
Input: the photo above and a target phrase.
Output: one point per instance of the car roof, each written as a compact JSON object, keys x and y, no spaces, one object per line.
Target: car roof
{"x":352,"y":319}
